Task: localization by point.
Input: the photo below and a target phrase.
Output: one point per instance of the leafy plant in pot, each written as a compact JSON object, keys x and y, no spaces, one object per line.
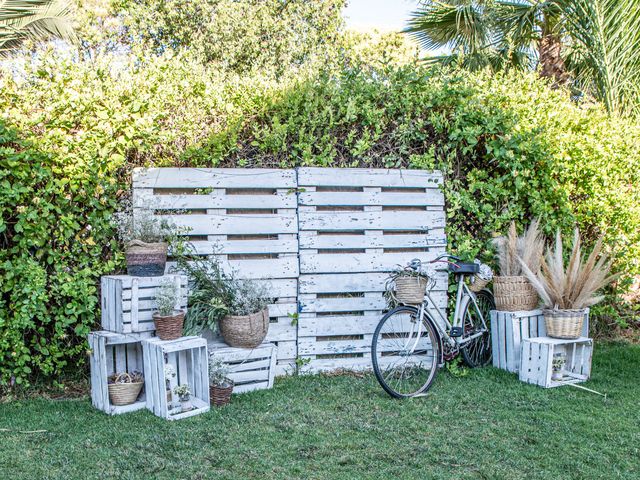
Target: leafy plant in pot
{"x":220,"y":386}
{"x":184,"y":394}
{"x":219,"y":300}
{"x":168,"y":320}
{"x":568,"y":290}
{"x":146,"y":238}
{"x":512,"y":290}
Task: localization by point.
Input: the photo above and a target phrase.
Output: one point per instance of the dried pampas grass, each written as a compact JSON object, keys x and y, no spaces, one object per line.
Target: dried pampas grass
{"x":513,"y":249}
{"x":573,"y":287}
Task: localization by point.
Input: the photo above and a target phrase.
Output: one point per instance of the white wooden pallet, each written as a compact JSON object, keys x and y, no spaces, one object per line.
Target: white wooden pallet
{"x":114,"y":353}
{"x":188,"y":356}
{"x":509,"y":329}
{"x":248,"y":217}
{"x":355,"y":226}
{"x":251,"y":369}
{"x":128,"y":303}
{"x":537,"y":356}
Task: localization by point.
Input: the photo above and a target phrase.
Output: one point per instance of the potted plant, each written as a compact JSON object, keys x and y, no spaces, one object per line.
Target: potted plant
{"x":168,"y":320}
{"x":567,"y":290}
{"x":146,"y":238}
{"x":512,"y":290}
{"x":220,"y":386}
{"x":183,"y":392}
{"x":557,"y":366}
{"x":219,"y":300}
{"x":124,"y":387}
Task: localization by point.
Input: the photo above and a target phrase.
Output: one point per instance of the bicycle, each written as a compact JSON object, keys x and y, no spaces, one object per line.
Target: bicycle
{"x":410,"y":345}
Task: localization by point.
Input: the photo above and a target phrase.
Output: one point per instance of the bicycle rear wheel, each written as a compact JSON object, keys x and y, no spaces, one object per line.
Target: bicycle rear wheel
{"x":405,"y":352}
{"x":477,"y":352}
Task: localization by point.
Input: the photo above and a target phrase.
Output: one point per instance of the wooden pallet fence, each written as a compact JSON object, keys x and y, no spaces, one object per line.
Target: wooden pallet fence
{"x":355,"y":226}
{"x":509,"y":329}
{"x":128,"y":303}
{"x":248,"y":218}
{"x":251,"y":369}
{"x":188,"y":358}
{"x":114,"y":353}
{"x":537,"y":356}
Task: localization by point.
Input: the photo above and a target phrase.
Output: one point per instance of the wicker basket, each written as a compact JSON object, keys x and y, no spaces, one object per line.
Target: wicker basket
{"x":245,"y":331}
{"x":220,"y":396}
{"x":410,"y":290}
{"x":169,"y":327}
{"x":514,"y":293}
{"x":478,"y":284}
{"x":564,"y":323}
{"x":146,"y":259}
{"x":124,"y":393}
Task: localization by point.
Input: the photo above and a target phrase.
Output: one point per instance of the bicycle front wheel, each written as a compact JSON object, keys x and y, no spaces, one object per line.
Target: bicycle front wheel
{"x":405,"y":352}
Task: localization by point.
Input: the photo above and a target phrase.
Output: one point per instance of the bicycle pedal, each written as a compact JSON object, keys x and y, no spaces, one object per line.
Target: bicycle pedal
{"x":456,"y":332}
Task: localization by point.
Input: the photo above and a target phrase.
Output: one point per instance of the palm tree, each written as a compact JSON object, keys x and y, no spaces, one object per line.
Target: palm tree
{"x":593,"y":43}
{"x":22,"y":20}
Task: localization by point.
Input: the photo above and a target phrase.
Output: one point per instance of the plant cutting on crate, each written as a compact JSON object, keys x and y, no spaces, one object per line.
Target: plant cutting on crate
{"x":168,"y":319}
{"x":512,"y":290}
{"x":220,"y":385}
{"x":567,"y":290}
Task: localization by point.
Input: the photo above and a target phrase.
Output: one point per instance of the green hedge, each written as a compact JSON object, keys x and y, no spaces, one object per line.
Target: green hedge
{"x":511,"y":148}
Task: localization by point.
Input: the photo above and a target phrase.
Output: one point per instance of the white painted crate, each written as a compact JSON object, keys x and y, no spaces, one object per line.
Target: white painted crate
{"x":248,"y":218}
{"x":537,"y":356}
{"x":251,"y":369}
{"x":114,"y":353}
{"x":188,"y":356}
{"x":128,"y":303}
{"x":355,"y":226}
{"x":509,"y":329}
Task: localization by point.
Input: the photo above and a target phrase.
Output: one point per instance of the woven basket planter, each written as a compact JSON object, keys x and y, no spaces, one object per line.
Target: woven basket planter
{"x":124,"y":393}
{"x":245,"y":331}
{"x":410,"y":290}
{"x":169,"y":327}
{"x":478,"y":284}
{"x":564,"y":323}
{"x":220,"y":396}
{"x":514,"y":293}
{"x":146,"y":259}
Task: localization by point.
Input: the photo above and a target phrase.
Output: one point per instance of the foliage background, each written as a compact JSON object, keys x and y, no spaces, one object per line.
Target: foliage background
{"x":76,"y":122}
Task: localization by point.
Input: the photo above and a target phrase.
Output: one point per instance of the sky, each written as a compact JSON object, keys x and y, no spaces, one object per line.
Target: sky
{"x":385,"y":15}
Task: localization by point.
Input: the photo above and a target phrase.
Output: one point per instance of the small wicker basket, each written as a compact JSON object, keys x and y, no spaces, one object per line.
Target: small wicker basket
{"x":245,"y":331}
{"x":478,"y":284}
{"x":220,"y":396}
{"x":124,"y":393}
{"x":514,"y":293}
{"x":564,"y":323}
{"x":169,"y":327}
{"x":410,"y":290}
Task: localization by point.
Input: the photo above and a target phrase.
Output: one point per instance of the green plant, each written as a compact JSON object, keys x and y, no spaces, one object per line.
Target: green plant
{"x":182,"y":391}
{"x":529,"y":247}
{"x":573,"y":285}
{"x":167,"y":297}
{"x":142,"y":225}
{"x":218,"y":371}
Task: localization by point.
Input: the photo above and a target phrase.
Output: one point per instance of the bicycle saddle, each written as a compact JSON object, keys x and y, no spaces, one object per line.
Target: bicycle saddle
{"x":464,"y":267}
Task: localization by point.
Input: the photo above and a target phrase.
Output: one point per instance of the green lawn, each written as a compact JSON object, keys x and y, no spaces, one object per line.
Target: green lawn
{"x":484,"y":425}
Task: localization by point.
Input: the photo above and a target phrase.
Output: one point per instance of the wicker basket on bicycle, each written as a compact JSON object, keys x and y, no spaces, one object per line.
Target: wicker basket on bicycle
{"x":410,"y":290}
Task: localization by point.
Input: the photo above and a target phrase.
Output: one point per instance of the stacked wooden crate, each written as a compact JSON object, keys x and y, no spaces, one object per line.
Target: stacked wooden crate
{"x":355,"y":226}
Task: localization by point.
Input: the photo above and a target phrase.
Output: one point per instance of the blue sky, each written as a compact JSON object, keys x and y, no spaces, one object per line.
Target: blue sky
{"x":385,"y":15}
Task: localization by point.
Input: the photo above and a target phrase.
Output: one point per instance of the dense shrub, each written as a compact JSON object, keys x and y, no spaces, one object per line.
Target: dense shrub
{"x":511,"y":148}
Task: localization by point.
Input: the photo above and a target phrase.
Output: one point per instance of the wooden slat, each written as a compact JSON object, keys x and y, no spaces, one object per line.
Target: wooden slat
{"x":146,"y":199}
{"x":385,"y":220}
{"x":431,"y":196}
{"x":367,"y":177}
{"x":213,"y":178}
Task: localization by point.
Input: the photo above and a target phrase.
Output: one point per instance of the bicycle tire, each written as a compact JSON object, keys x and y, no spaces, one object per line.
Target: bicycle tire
{"x":387,"y":341}
{"x":477,"y":353}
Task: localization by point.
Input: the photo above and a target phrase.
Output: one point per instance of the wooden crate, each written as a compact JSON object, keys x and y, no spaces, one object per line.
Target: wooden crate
{"x":251,"y":369}
{"x":509,"y":329}
{"x":248,"y":218}
{"x":188,"y":357}
{"x":537,"y":355}
{"x":114,"y":353}
{"x":355,"y":226}
{"x":128,"y":303}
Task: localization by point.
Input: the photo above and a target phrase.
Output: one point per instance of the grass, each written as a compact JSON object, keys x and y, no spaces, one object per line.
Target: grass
{"x":483,"y":425}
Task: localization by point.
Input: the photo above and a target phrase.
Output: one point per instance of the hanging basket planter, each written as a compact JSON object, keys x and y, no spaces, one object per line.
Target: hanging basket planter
{"x":245,"y":331}
{"x":169,"y":327}
{"x":146,"y":259}
{"x":514,"y":293}
{"x":565,"y":324}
